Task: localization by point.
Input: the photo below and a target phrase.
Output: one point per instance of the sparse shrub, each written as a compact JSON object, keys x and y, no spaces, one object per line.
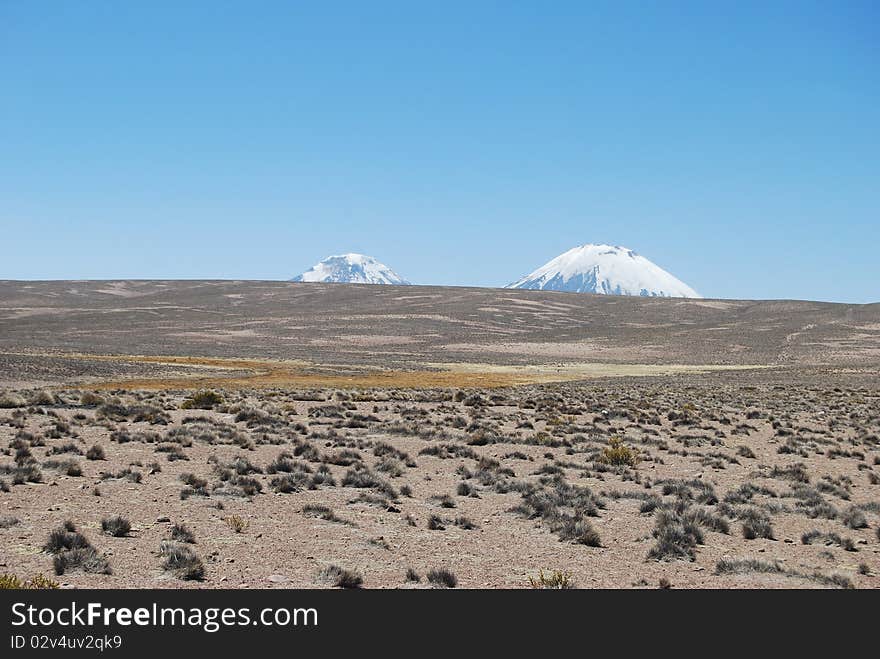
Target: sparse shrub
{"x":618,"y":454}
{"x":747,"y":566}
{"x":29,"y":473}
{"x":838,"y":487}
{"x":245,"y":485}
{"x":322,"y":512}
{"x":340,"y":578}
{"x":182,"y":561}
{"x":379,"y":500}
{"x":555,"y":580}
{"x":289,"y":482}
{"x":193,"y":481}
{"x":286,"y":464}
{"x":23,"y":455}
{"x":136,"y":413}
{"x":442,"y":578}
{"x":828,"y":539}
{"x":9,"y":399}
{"x":188,"y":492}
{"x":755,"y":524}
{"x":39,"y":582}
{"x":664,"y":584}
{"x":69,"y":467}
{"x":710,"y":520}
{"x":72,"y":550}
{"x":84,"y":558}
{"x":751,"y":565}
{"x":243,"y":467}
{"x":323,"y":476}
{"x":68,"y":447}
{"x":836,"y":580}
{"x":174,"y":451}
{"x":436,"y":523}
{"x":578,"y":530}
{"x":128,"y":474}
{"x":390,"y":466}
{"x":690,"y":490}
{"x":179,"y":533}
{"x":236,"y":523}
{"x":65,"y":538}
{"x":42,"y":397}
{"x":117,"y":526}
{"x":796,"y":472}
{"x":465,"y":523}
{"x":380,"y":542}
{"x":677,"y":536}
{"x":202,"y":400}
{"x":412,"y":575}
{"x":465,"y":489}
{"x":854,"y":518}
{"x":90,"y":399}
{"x":10,"y":582}
{"x":7,"y":521}
{"x":746,"y":492}
{"x":366,"y":479}
{"x":650,"y":504}
{"x":96,"y":452}
{"x":811,"y":503}
{"x":443,"y":500}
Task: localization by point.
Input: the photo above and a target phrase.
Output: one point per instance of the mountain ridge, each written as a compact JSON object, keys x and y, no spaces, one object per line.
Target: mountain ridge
{"x":606,"y":270}
{"x":351,"y":268}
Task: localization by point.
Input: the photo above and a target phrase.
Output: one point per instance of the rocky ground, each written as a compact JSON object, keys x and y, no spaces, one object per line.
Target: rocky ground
{"x":633,"y":484}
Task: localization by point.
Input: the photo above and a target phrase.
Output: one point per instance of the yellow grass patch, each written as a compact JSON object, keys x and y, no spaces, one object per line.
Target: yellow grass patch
{"x":217,"y":372}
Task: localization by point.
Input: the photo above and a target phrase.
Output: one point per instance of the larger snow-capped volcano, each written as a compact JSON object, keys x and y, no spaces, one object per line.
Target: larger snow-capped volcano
{"x":351,"y":269}
{"x":605,"y":269}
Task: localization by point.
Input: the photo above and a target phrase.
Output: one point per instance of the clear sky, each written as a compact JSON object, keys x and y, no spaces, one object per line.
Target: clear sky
{"x":736,"y":144}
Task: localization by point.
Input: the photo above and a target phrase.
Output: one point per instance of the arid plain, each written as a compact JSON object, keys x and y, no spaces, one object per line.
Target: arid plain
{"x":268,"y":434}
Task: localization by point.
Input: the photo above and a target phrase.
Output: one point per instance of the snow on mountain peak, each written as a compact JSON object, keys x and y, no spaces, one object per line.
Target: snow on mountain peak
{"x":605,"y":269}
{"x":351,"y":269}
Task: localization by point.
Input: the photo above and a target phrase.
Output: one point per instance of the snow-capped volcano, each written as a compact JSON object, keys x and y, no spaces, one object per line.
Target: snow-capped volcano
{"x":605,"y":269}
{"x":351,"y":269}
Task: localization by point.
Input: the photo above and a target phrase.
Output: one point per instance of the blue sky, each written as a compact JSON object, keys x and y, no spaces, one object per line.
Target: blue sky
{"x":735,"y":144}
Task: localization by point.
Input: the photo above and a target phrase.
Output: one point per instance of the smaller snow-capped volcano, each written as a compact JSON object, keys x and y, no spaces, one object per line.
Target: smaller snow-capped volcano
{"x":351,"y":269}
{"x":605,"y":269}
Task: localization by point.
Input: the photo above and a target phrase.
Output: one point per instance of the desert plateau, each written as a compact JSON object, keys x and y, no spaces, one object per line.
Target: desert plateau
{"x":236,"y":434}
